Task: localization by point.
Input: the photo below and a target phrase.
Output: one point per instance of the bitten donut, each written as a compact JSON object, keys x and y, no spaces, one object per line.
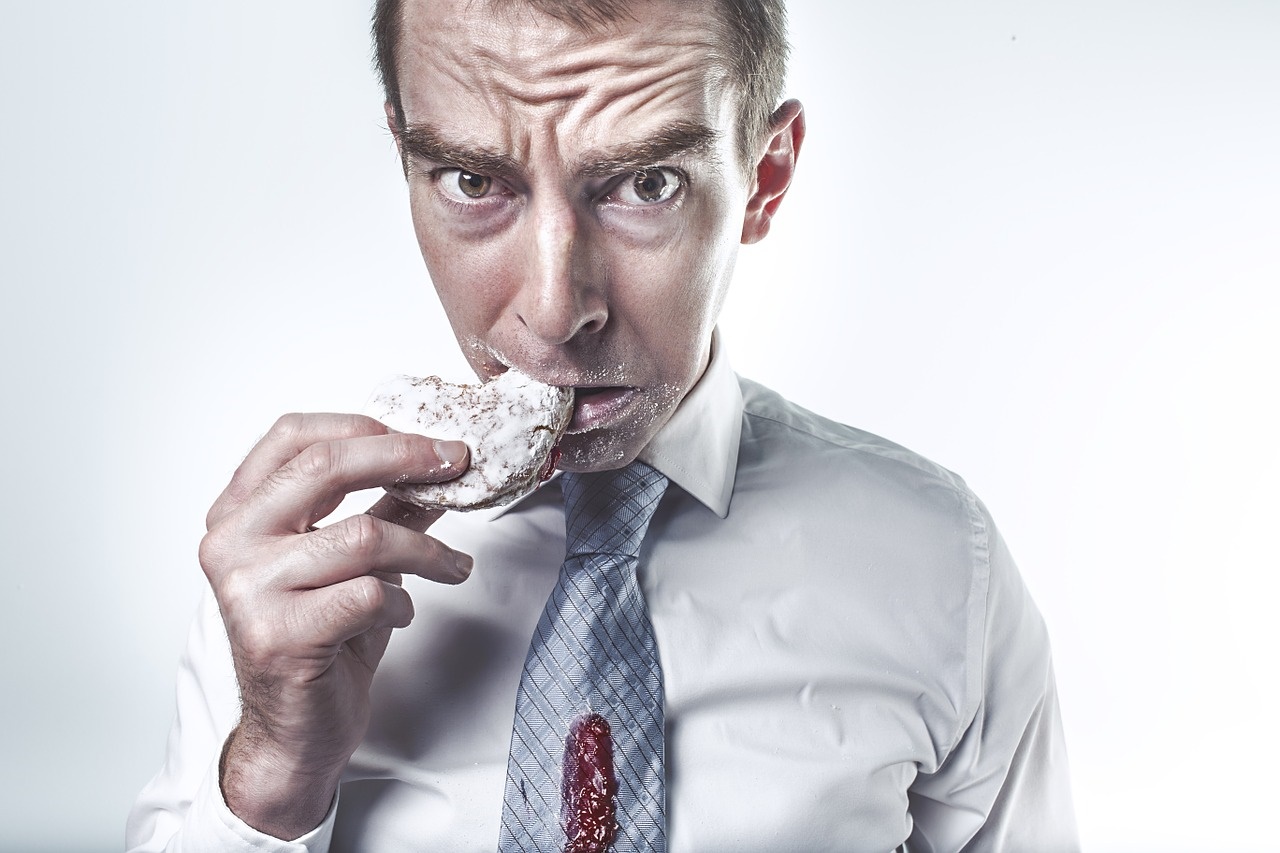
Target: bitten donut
{"x":511,"y":425}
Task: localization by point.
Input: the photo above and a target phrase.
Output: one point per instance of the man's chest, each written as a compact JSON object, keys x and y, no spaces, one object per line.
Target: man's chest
{"x":800,"y":699}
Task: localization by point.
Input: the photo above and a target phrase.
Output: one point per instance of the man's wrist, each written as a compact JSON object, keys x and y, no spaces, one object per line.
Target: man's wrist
{"x":274,"y":794}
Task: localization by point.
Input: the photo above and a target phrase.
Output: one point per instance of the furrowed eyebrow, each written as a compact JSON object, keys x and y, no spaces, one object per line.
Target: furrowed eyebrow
{"x":677,"y":140}
{"x":423,"y":142}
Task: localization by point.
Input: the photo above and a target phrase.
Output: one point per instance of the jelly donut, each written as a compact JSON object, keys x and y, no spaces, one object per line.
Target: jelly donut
{"x":511,"y":425}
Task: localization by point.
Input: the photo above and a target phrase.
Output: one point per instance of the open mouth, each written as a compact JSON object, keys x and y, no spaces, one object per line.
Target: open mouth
{"x":594,"y":407}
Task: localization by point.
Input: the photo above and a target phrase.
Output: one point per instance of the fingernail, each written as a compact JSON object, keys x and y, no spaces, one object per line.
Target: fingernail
{"x":464,"y":563}
{"x":451,"y":452}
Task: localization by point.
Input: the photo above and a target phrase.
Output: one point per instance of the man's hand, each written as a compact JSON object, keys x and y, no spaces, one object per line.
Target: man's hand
{"x":309,"y":612}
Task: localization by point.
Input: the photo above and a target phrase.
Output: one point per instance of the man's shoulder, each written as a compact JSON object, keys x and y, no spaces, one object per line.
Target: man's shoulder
{"x":778,"y":429}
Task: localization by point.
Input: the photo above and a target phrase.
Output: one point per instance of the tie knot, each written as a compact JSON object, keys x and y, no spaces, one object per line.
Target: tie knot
{"x":608,"y":512}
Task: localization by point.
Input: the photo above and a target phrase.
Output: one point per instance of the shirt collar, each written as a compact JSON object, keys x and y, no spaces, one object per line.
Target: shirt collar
{"x":698,"y":448}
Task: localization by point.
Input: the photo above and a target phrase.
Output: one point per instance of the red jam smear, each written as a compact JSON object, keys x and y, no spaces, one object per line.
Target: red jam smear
{"x":552,"y":460}
{"x":588,"y":788}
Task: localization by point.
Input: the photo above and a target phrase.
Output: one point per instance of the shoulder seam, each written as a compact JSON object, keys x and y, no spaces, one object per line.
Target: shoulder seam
{"x":888,"y":451}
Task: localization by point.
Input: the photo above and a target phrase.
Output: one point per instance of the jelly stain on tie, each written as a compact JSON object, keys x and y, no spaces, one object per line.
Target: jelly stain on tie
{"x":588,"y":788}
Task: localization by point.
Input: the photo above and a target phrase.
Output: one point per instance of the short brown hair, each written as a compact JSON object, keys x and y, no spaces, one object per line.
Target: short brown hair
{"x":753,"y":35}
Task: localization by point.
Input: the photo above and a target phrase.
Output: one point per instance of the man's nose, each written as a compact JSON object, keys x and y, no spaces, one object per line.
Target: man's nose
{"x":562,"y":290}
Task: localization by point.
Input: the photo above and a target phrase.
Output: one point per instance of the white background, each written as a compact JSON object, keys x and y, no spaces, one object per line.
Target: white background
{"x":1039,"y":243}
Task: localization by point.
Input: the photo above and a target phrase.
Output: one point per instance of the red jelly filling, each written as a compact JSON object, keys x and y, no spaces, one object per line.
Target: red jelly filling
{"x":551,"y":464}
{"x":588,"y":788}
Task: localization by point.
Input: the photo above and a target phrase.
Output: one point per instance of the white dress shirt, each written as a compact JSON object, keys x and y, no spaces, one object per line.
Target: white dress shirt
{"x":850,"y":658}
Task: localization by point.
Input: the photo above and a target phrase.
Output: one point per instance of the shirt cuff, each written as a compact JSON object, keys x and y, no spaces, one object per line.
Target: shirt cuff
{"x":218,"y":828}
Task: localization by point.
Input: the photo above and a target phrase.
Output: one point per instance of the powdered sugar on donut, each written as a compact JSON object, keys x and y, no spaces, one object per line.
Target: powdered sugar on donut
{"x":510,"y":424}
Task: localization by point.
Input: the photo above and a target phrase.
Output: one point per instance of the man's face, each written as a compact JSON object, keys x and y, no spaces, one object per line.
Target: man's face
{"x":578,"y":200}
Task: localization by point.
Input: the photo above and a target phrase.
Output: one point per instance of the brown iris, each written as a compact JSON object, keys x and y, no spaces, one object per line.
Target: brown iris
{"x":474,"y":186}
{"x":651,"y":185}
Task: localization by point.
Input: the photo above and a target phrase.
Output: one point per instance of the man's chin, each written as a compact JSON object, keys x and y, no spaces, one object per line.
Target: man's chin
{"x":630,"y":423}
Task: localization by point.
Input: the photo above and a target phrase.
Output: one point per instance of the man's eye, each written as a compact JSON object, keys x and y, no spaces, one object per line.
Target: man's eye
{"x":463,"y":185}
{"x":649,"y":186}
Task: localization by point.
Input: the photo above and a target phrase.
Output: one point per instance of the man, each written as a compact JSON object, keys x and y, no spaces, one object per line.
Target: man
{"x":848,"y":658}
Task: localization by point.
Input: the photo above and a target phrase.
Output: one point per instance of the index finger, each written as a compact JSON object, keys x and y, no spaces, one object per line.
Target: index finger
{"x":313,"y":483}
{"x":288,"y":436}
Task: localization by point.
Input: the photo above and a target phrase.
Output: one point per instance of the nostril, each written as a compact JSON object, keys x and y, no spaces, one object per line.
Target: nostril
{"x":558,"y":318}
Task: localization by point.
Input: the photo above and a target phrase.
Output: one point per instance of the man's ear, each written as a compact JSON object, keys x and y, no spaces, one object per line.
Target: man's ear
{"x":774,"y":171}
{"x":392,"y":124}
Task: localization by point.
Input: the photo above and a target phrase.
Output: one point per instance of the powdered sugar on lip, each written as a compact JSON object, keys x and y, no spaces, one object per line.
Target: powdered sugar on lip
{"x":594,"y":408}
{"x":598,"y":402}
{"x":491,"y":361}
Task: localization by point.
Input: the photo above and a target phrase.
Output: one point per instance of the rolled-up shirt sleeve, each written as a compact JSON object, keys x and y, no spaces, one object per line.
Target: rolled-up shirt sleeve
{"x":181,"y":809}
{"x":1004,"y":785}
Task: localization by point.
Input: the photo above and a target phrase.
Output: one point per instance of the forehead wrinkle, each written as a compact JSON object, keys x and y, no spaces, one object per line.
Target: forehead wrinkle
{"x":585,"y":99}
{"x":677,"y":110}
{"x":443,"y":133}
{"x":678,"y":78}
{"x":559,"y":64}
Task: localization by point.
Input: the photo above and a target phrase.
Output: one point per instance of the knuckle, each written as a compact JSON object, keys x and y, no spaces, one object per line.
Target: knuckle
{"x":255,"y":635}
{"x":207,"y":554}
{"x":360,"y":536}
{"x":238,"y":592}
{"x":318,"y":461}
{"x":352,"y":426}
{"x":287,"y":427}
{"x":406,"y":450}
{"x":364,"y":595}
{"x":211,"y":553}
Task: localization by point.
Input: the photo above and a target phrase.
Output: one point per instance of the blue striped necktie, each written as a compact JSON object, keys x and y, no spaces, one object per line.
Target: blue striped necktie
{"x":592,"y":684}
